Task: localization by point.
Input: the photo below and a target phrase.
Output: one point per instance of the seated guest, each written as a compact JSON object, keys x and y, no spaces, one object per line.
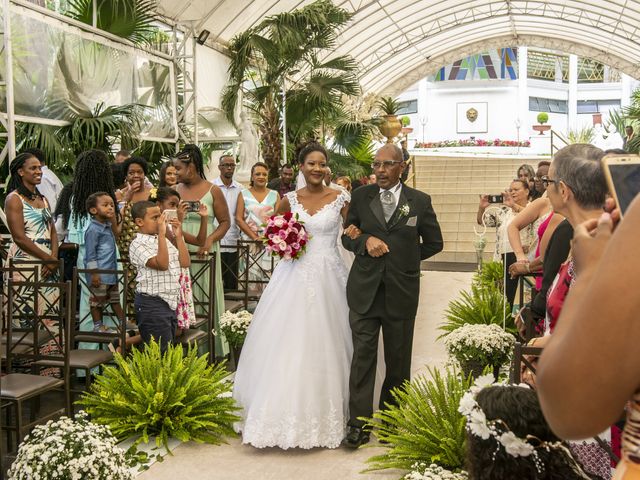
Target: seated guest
{"x":159,"y":265}
{"x":509,"y":438}
{"x":284,"y":183}
{"x":515,"y":200}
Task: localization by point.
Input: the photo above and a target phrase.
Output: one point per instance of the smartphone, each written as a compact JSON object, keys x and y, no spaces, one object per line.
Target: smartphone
{"x":623,"y":177}
{"x":193,"y":206}
{"x":170,"y":214}
{"x":496,"y":198}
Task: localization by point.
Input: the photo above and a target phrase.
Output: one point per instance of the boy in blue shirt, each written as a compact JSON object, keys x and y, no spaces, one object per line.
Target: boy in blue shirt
{"x":100,"y":253}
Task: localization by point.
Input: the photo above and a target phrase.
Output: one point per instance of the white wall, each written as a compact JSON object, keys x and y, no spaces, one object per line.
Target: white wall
{"x":212,"y":76}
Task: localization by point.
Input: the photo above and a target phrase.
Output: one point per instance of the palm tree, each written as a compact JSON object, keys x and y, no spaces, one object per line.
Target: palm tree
{"x":288,"y":48}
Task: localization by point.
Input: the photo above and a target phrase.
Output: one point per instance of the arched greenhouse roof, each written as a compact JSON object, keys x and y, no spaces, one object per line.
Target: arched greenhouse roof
{"x":397,"y":42}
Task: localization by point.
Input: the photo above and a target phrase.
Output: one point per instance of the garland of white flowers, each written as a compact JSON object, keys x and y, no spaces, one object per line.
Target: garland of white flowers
{"x":478,"y":425}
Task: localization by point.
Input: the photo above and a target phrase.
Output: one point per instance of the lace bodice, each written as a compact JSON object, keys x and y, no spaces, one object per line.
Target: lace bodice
{"x":324,"y":225}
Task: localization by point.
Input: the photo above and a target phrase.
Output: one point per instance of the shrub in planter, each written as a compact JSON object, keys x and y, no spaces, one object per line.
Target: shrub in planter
{"x":478,"y":346}
{"x":68,"y":449}
{"x":483,"y":305}
{"x":154,"y":395}
{"x":542,"y":118}
{"x":425,"y":426}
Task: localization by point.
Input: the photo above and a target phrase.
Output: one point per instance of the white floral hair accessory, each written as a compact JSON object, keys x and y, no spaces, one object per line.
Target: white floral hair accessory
{"x":478,"y":425}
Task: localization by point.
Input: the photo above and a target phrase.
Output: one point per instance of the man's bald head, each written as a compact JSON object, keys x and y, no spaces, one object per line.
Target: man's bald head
{"x":392,"y":151}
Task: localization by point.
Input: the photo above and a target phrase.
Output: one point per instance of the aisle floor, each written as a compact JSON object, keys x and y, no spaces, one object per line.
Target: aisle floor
{"x":235,"y":461}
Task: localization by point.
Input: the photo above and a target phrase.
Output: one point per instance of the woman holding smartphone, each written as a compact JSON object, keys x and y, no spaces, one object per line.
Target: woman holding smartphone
{"x":193,"y":186}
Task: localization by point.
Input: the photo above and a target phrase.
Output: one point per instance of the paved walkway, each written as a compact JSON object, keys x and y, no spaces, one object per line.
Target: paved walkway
{"x":241,"y":462}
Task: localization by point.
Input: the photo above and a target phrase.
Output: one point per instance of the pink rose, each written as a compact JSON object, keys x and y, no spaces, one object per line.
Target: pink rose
{"x":279,"y":222}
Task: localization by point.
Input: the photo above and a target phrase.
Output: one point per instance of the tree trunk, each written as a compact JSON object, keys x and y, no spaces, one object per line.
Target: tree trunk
{"x":271,"y":144}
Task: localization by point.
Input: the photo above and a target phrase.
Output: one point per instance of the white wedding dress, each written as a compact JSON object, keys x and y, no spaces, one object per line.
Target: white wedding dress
{"x":292,"y":381}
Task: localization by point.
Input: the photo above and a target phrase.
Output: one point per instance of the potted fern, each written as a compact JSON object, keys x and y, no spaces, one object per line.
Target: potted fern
{"x":390,"y":126}
{"x":542,"y":118}
{"x":170,"y":395}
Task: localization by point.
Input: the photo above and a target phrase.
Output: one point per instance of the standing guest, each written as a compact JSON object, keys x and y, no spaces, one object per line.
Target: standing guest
{"x":405,"y":156}
{"x":538,"y":185}
{"x":228,"y":251}
{"x":284,"y":183}
{"x":29,"y":218}
{"x":193,"y":187}
{"x":67,"y":251}
{"x":257,"y":203}
{"x":135,"y":170}
{"x":372,"y":179}
{"x":122,"y":156}
{"x":119,"y":179}
{"x":344,"y":182}
{"x":629,"y":135}
{"x":525,"y":172}
{"x":100,"y":253}
{"x":51,"y":186}
{"x":159,"y":265}
{"x":515,"y":200}
{"x":398,"y":229}
{"x":168,"y":175}
{"x":92,"y":174}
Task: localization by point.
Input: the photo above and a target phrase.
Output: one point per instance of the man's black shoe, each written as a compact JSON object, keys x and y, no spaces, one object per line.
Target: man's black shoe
{"x":356,"y":436}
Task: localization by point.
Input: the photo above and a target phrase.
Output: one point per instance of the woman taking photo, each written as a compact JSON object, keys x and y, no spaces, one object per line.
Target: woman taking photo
{"x":194,"y":188}
{"x":515,"y":200}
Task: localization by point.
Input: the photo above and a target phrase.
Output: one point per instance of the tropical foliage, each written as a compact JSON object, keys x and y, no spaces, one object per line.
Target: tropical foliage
{"x":581,"y":135}
{"x":425,"y":425}
{"x":130,"y":19}
{"x":482,"y":305}
{"x":154,"y":395}
{"x":287,"y":52}
{"x":490,"y":275}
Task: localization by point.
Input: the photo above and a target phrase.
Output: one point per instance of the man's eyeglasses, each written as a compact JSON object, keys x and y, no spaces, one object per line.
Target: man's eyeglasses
{"x":386,"y":164}
{"x":227,"y":165}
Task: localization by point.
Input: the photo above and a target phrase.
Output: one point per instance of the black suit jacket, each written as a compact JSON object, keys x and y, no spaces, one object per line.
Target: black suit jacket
{"x":412,"y":234}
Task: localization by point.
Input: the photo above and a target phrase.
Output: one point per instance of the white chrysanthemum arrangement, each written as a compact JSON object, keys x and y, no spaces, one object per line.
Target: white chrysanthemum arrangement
{"x":420,"y":471}
{"x":234,"y":326}
{"x":485,"y":344}
{"x":73,"y":449}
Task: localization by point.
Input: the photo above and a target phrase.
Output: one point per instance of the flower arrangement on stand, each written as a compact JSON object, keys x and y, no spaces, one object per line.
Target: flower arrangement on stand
{"x":473,"y":142}
{"x":71,"y":449}
{"x":422,"y":471}
{"x":478,"y":346}
{"x":285,"y":236}
{"x":234,"y":326}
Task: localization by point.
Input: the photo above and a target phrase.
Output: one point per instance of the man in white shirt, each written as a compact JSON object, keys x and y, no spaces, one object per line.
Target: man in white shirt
{"x":231,"y":190}
{"x":50,"y":186}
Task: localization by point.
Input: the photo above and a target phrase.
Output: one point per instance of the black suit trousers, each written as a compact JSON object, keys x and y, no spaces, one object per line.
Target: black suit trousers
{"x":397,"y":336}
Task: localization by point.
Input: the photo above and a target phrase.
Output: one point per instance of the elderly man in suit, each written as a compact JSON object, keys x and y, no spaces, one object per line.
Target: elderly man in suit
{"x":396,"y":228}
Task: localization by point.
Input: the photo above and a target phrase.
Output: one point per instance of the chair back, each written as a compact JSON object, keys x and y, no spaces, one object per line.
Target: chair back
{"x":41,"y":311}
{"x":117,"y":325}
{"x":241,"y":292}
{"x":258,"y":267}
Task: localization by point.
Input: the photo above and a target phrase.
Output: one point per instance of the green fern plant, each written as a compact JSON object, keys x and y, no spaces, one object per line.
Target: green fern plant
{"x":482,"y":305}
{"x":388,"y":105}
{"x":151,"y":394}
{"x":581,"y":135}
{"x":490,"y":275}
{"x":425,"y":425}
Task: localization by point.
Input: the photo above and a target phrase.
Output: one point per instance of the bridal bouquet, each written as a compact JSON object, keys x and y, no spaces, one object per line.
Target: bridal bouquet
{"x":285,"y":236}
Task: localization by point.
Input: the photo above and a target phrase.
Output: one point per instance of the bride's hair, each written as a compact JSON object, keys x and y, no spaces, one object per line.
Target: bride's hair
{"x":311,"y":147}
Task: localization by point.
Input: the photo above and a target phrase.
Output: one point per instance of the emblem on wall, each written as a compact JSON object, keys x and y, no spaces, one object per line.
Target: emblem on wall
{"x":472,"y":115}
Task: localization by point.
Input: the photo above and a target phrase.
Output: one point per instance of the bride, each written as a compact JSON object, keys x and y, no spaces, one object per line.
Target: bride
{"x":292,"y":380}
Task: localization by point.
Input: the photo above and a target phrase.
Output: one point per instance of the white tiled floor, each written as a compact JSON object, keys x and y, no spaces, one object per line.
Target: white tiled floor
{"x":240,"y":462}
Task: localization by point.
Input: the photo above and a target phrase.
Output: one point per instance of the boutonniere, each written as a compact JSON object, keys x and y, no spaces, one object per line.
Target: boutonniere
{"x":404,"y":210}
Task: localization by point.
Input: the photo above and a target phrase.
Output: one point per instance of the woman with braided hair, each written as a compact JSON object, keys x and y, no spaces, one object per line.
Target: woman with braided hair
{"x":193,"y":187}
{"x":92,"y":174}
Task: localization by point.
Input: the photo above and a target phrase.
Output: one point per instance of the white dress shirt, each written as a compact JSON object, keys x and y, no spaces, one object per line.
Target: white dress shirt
{"x":50,"y":187}
{"x":396,"y":189}
{"x":231,"y":194}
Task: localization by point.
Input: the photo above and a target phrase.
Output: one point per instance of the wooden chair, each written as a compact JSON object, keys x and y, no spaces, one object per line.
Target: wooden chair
{"x":49,"y":308}
{"x":254,"y":253}
{"x":82,"y":359}
{"x":238,"y":298}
